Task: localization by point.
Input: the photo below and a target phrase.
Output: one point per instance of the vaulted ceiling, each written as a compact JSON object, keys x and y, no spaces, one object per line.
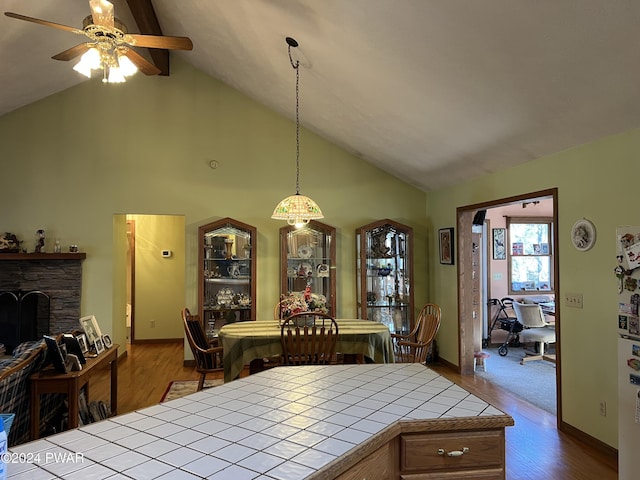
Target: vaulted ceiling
{"x":434,"y":92}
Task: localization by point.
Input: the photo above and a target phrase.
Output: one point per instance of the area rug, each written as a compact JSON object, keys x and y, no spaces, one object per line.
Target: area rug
{"x":535,"y":381}
{"x":180,"y":388}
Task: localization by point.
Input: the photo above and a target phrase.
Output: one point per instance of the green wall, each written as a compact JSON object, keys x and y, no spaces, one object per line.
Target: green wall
{"x":77,"y":162}
{"x":590,"y":182}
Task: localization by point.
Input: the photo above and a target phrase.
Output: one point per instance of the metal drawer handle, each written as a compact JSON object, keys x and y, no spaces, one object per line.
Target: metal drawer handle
{"x":453,"y":453}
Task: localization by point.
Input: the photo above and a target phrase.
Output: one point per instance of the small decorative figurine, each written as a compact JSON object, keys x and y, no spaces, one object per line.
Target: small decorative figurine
{"x":40,"y":241}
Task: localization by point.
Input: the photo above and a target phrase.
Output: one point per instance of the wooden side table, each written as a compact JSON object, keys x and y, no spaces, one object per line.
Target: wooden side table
{"x":51,"y":381}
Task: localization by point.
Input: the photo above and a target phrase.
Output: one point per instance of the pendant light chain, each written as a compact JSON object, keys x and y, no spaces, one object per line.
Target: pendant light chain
{"x":296,"y":66}
{"x":297,"y":209}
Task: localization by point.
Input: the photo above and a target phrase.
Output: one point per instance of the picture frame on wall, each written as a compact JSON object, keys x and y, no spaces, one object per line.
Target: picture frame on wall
{"x":446,"y":246}
{"x":499,"y":246}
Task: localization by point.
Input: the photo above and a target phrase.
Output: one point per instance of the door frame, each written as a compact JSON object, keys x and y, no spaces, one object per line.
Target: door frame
{"x":466,"y":329}
{"x":131,"y":238}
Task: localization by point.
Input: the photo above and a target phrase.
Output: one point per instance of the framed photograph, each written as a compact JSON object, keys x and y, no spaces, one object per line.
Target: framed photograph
{"x":499,"y":247}
{"x":446,"y":246}
{"x":82,"y":341}
{"x":106,"y":340}
{"x":99,"y":346}
{"x":91,"y":329}
{"x":55,"y":354}
{"x":73,"y":347}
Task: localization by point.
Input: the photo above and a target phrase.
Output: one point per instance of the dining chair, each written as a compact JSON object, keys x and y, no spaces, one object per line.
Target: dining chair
{"x":208,"y":358}
{"x":414,"y":346}
{"x":536,"y":329}
{"x":309,"y":338}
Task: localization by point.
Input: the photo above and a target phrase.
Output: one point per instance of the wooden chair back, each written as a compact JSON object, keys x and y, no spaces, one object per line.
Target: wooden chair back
{"x":208,"y":358}
{"x":414,"y":347}
{"x":308,"y":338}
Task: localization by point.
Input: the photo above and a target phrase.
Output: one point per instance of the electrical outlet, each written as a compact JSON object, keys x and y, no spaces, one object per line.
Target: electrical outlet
{"x":573,"y":300}
{"x":152,"y":324}
{"x":603,"y":408}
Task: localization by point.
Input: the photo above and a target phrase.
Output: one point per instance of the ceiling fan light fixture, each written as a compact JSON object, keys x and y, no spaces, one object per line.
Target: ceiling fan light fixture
{"x":90,"y":60}
{"x":127,"y":67}
{"x":115,"y":76}
{"x":109,"y":44}
{"x":297,"y":209}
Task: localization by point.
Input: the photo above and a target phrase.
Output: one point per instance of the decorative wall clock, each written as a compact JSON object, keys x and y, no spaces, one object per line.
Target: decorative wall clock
{"x":583,"y":235}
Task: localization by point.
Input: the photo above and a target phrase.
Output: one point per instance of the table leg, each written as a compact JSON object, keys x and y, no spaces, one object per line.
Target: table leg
{"x":73,"y":397}
{"x":114,"y":386}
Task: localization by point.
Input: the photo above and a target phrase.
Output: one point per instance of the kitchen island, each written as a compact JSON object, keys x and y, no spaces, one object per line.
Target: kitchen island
{"x":376,"y":421}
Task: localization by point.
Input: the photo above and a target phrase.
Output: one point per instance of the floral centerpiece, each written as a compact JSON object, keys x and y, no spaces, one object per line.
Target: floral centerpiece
{"x":305,"y":301}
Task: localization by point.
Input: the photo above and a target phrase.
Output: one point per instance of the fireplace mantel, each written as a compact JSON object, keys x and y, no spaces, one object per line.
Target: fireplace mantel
{"x":43,"y":256}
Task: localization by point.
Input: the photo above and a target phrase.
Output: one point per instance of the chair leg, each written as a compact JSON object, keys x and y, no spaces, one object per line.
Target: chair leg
{"x":201,"y":381}
{"x":540,"y":355}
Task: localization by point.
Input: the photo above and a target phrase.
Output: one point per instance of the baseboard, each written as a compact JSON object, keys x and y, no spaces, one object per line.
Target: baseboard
{"x":159,"y":340}
{"x":607,"y":450}
{"x":445,"y":363}
{"x":122,"y":355}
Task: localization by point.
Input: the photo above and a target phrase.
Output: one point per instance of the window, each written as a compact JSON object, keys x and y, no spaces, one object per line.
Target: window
{"x":530,"y":254}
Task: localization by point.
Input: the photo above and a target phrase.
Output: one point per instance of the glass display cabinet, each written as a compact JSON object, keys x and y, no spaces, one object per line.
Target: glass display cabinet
{"x":384,"y":256}
{"x":227,"y":273}
{"x":308,"y":257}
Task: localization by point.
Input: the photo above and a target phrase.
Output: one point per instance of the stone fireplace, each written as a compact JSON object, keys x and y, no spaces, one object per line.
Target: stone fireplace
{"x":57,"y":276}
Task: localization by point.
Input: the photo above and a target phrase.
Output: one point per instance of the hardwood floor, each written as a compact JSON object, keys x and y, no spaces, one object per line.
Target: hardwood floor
{"x":535,"y":449}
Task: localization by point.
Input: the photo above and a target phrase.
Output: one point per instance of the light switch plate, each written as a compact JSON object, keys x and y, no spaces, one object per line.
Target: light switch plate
{"x":573,"y":300}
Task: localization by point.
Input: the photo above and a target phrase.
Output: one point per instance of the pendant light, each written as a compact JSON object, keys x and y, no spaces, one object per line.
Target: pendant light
{"x":297,"y":209}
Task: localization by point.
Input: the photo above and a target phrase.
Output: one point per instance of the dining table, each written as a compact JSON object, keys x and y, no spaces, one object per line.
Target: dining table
{"x":243,"y":342}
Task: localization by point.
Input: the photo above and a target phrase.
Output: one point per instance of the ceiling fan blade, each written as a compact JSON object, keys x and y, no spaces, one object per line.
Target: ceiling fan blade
{"x":102,"y":12}
{"x":143,"y":65}
{"x":71,"y":53}
{"x":159,"y":41}
{"x":42,"y":22}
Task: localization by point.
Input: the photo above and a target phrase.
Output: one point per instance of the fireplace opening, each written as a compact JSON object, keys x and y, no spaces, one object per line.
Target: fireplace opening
{"x":23,"y":316}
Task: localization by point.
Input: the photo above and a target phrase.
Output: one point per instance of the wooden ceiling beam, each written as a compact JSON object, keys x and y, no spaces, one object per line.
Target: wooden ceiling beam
{"x":147,"y":21}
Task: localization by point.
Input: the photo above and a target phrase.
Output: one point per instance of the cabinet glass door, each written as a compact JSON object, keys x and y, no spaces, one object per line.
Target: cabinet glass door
{"x":384,"y":274}
{"x":308,"y":257}
{"x":227,"y":273}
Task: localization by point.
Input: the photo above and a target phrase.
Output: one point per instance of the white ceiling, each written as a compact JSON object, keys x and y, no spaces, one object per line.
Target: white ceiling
{"x":432,"y":91}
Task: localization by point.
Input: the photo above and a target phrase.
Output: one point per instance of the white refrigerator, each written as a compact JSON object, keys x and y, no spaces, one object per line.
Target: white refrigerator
{"x":628,"y":278}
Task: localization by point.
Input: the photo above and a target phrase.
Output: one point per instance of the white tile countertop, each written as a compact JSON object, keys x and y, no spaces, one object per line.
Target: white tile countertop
{"x":286,"y":423}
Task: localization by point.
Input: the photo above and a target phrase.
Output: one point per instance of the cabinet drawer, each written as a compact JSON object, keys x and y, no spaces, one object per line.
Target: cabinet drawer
{"x":489,"y":474}
{"x":423,"y":452}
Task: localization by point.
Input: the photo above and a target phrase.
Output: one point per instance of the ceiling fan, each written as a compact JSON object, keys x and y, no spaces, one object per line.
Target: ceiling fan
{"x":110,"y":46}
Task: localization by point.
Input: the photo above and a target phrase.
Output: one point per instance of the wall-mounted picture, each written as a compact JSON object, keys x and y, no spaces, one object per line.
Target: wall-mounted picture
{"x":499,"y":247}
{"x":446,"y":246}
{"x":91,"y":329}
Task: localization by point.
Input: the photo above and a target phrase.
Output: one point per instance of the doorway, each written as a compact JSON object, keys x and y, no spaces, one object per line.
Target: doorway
{"x":153,"y":276}
{"x":472,"y":305}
